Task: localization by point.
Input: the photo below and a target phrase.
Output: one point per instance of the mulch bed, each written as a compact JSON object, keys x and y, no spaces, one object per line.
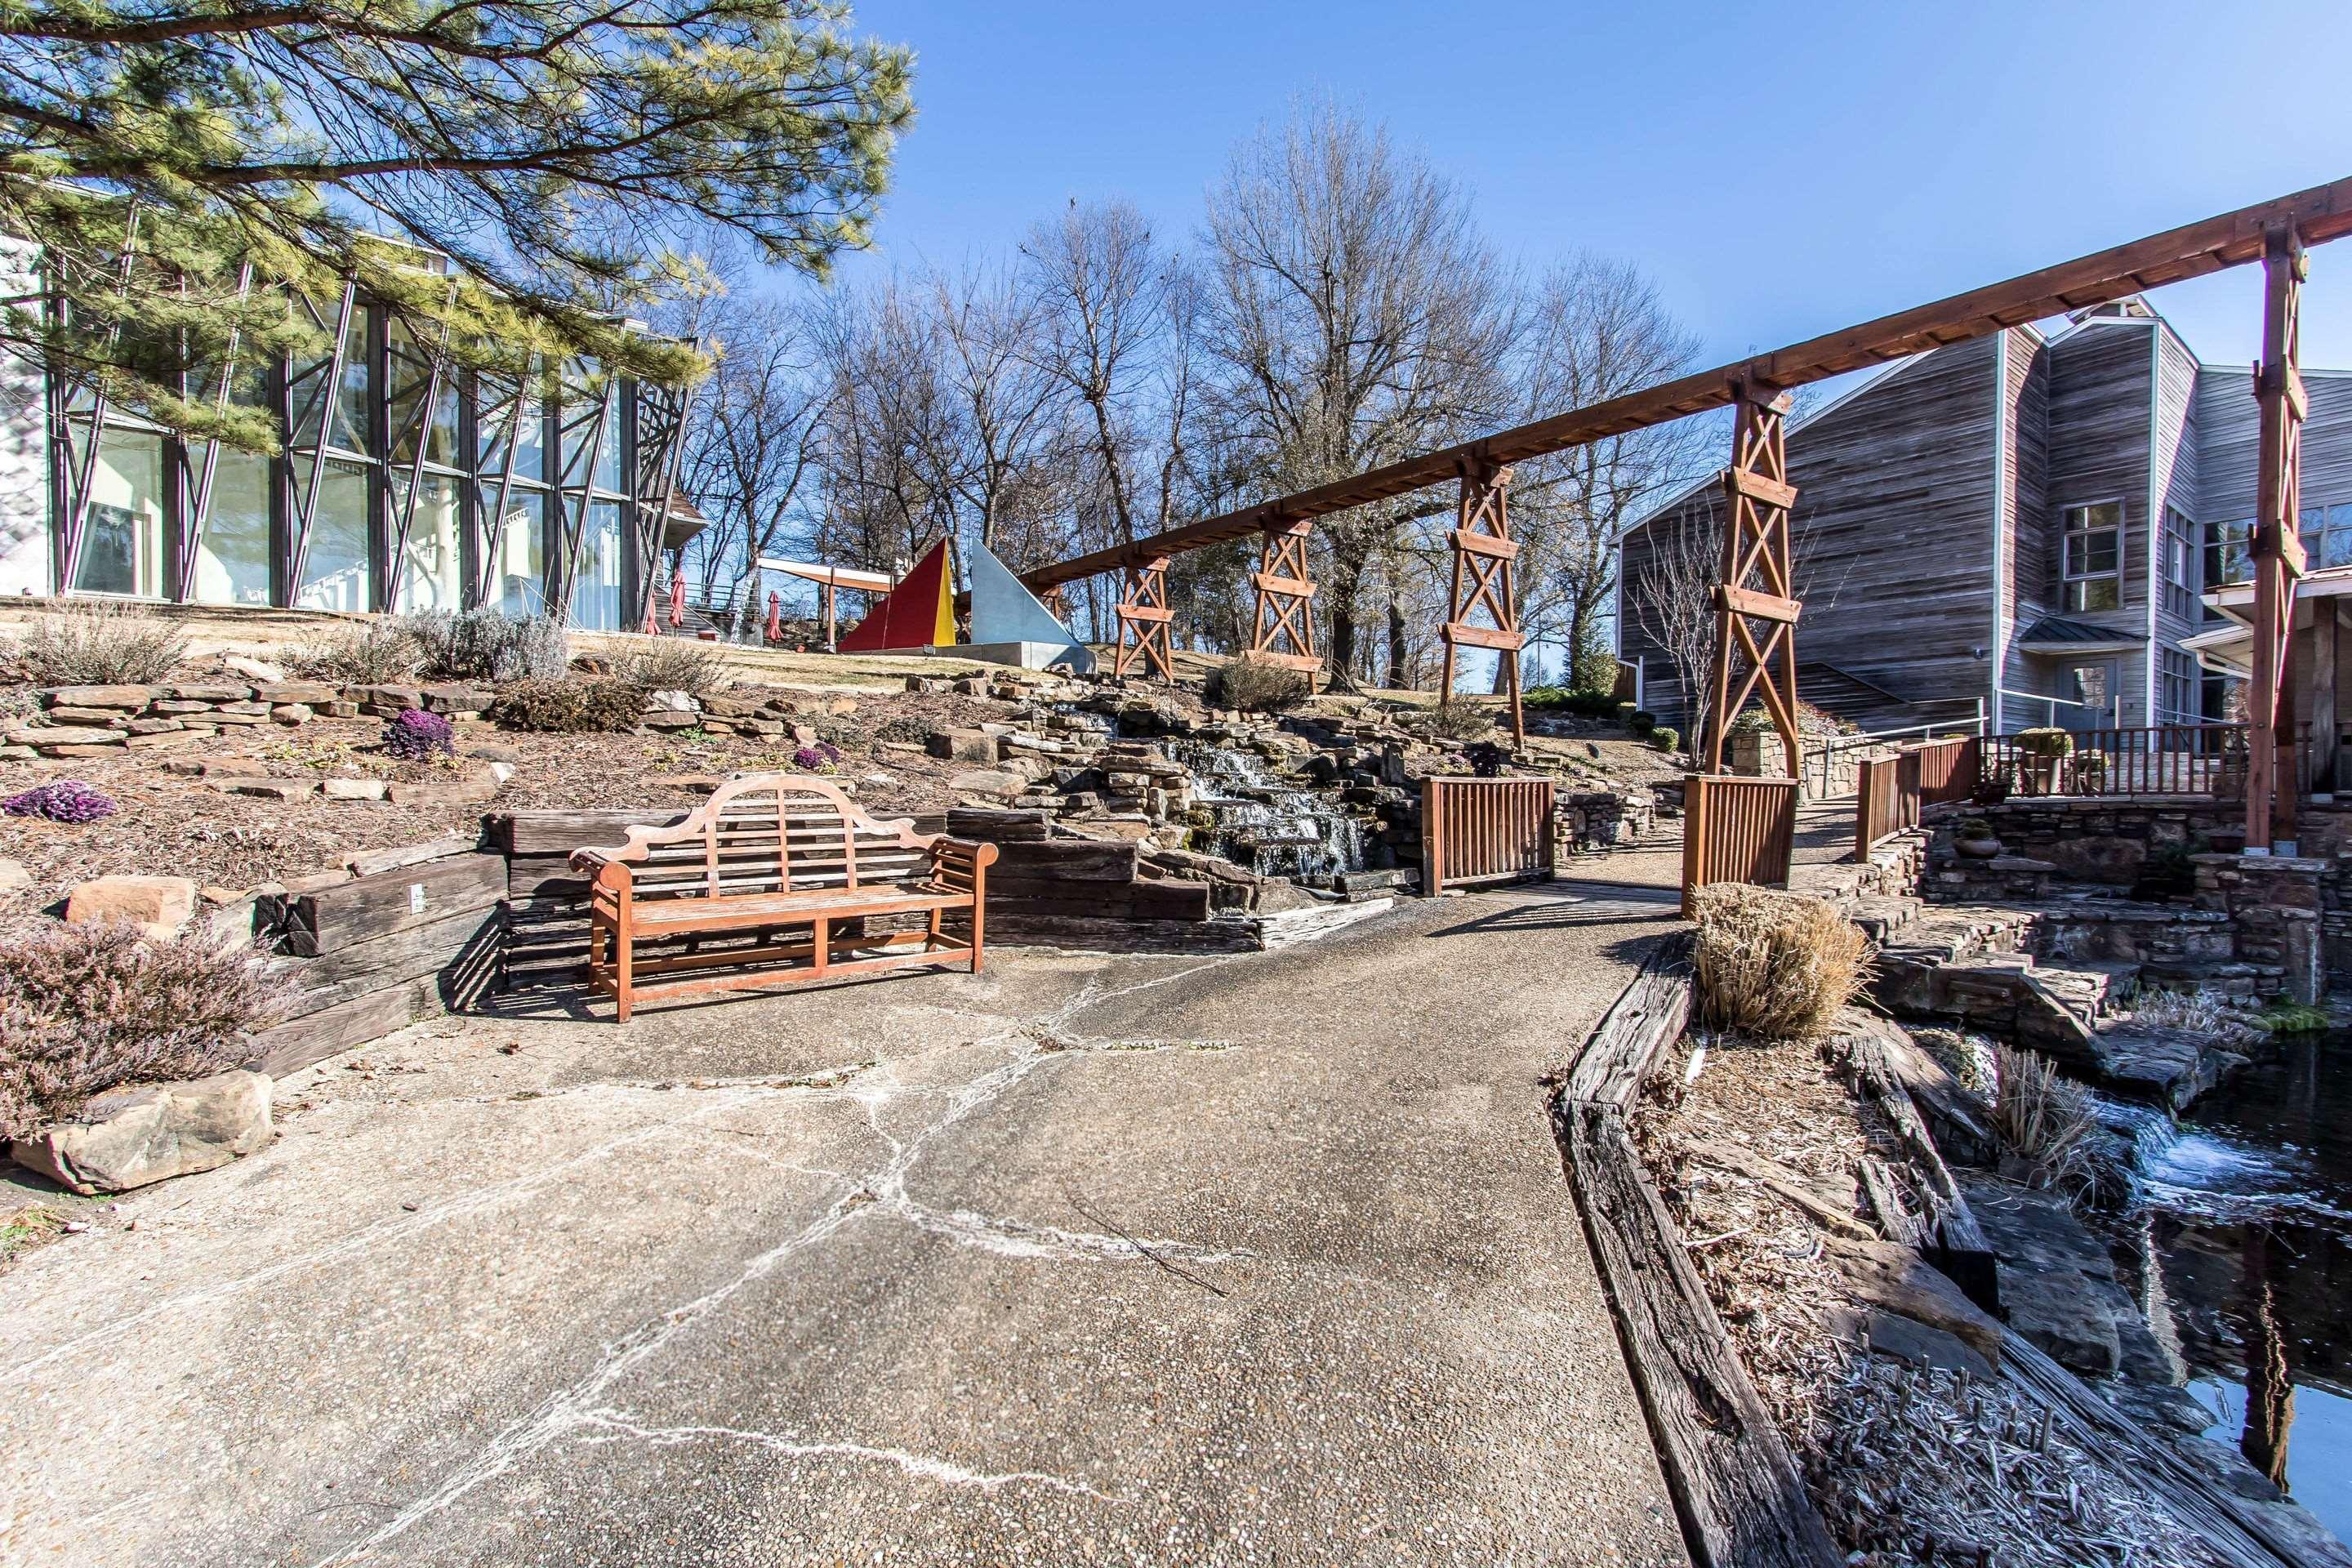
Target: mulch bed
{"x":171,"y":822}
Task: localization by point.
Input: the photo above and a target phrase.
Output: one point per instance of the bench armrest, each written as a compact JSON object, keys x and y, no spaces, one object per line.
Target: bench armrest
{"x":961,"y":855}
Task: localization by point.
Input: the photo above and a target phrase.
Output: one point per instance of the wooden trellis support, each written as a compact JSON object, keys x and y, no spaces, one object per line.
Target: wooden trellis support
{"x":659,"y":443}
{"x":1756,"y":589}
{"x":322,"y":382}
{"x":197,"y":470}
{"x":1483,"y":553}
{"x":2271,"y":782}
{"x":1143,"y":617}
{"x":1282,"y":629}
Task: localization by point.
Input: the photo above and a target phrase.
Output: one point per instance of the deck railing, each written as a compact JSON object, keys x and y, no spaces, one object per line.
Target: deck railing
{"x":1894,"y":789}
{"x":1736,"y":828}
{"x":2153,"y":759}
{"x":1479,"y":830}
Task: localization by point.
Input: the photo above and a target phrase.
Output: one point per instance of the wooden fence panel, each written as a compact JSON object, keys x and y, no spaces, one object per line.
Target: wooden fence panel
{"x":1736,"y":829}
{"x":1476,"y":830}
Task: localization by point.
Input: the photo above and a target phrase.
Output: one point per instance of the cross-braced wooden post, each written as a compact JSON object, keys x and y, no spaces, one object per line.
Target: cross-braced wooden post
{"x":2271,"y":782}
{"x":1282,"y":629}
{"x":1482,"y":555}
{"x":1755,"y":587}
{"x":1143,"y":617}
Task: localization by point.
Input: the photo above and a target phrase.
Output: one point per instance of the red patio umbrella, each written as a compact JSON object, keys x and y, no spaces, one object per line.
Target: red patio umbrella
{"x":775,"y":617}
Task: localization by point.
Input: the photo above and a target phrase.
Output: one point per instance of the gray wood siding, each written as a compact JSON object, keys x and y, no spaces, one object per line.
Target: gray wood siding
{"x":2174,"y":477}
{"x":1894,"y":536}
{"x":2100,"y":387}
{"x":2229,"y":431}
{"x":2028,"y":514}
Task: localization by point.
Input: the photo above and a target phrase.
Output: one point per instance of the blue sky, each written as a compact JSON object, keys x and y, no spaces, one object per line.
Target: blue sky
{"x":1780,"y":170}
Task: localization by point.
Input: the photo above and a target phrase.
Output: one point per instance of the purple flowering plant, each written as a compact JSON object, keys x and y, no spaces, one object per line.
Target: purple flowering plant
{"x":819,"y":758}
{"x":416,"y":736}
{"x":60,"y":800}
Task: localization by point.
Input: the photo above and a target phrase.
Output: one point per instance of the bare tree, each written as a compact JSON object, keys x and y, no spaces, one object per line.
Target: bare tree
{"x":1674,"y":603}
{"x":1356,"y":318}
{"x":1098,"y":278}
{"x":989,"y":329}
{"x":753,"y":445}
{"x":889,"y":441}
{"x":1599,"y":331}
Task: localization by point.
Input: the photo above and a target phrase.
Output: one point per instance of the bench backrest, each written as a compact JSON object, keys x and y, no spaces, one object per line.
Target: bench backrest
{"x":767,"y":833}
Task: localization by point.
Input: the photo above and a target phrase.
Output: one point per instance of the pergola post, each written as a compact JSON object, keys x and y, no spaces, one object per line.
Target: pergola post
{"x":1143,"y":617}
{"x":2271,"y":782}
{"x":1483,"y":554}
{"x":1282,"y":629}
{"x":1755,"y":586}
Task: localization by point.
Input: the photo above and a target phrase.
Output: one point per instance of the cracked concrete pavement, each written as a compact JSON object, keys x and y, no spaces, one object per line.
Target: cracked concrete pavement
{"x":1133,"y":1260}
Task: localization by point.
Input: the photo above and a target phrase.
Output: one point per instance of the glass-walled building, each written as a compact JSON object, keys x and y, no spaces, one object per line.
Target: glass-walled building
{"x":403,"y":484}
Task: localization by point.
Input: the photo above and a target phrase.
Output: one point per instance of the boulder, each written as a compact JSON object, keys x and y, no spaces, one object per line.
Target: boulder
{"x":255,"y":669}
{"x":267,"y":789}
{"x":354,"y":789}
{"x":465,"y":790}
{"x":454,"y":699}
{"x":311,"y":692}
{"x":989,"y":782}
{"x":129,"y":1138}
{"x":132,"y":698}
{"x":962,"y":745}
{"x":160,"y":906}
{"x":291,"y":713}
{"x":13,"y":874}
{"x":211,"y":694}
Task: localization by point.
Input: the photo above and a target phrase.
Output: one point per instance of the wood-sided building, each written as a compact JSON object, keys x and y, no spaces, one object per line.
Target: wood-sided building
{"x":2028,"y":522}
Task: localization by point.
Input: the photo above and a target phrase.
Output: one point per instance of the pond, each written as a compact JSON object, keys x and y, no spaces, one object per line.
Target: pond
{"x":2249,"y":1222}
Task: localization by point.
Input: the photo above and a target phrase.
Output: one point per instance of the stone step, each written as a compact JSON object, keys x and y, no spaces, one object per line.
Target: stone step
{"x":2227,"y":976}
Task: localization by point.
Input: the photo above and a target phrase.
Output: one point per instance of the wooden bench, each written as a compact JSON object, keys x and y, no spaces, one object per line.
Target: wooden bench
{"x":766,"y":855}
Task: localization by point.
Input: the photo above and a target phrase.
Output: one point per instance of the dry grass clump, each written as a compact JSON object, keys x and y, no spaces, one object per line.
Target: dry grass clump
{"x":488,"y":644}
{"x":672,"y":664}
{"x":101,"y":644}
{"x":380,"y":653}
{"x":570,"y":707}
{"x":85,"y":1008}
{"x":2198,"y":1013}
{"x":1776,"y":966}
{"x":2047,"y":1119}
{"x":1257,"y":685}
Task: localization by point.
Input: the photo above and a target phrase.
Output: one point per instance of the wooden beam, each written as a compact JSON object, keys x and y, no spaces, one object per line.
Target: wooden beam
{"x":1482,"y":637}
{"x":2321,"y":213}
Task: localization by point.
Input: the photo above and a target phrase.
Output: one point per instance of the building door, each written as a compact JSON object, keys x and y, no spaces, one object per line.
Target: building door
{"x":2091,"y":689}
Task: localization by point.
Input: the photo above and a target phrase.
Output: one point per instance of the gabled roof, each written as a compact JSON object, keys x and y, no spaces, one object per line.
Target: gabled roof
{"x":2057,"y":635}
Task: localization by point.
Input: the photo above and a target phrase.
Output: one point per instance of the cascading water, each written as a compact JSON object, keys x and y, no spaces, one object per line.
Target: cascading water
{"x":1273,"y":827}
{"x":2248,"y":1206}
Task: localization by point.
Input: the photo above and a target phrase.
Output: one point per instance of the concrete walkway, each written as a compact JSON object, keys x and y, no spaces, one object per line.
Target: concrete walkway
{"x":1145,"y":1259}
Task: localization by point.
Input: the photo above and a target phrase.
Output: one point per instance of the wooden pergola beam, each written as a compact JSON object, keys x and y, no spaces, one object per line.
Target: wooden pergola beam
{"x":2319,"y":214}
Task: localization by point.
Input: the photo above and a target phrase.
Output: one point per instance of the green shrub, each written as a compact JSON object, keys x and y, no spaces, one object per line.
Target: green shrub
{"x":1666,"y":738}
{"x":1560,"y":700}
{"x":85,"y":1008}
{"x":486,"y":644}
{"x":570,"y":707}
{"x":101,"y":644}
{"x":1641,"y":722}
{"x":1257,"y":686}
{"x":1776,"y":966}
{"x":2046,"y":742}
{"x":1458,"y":721}
{"x":672,"y":664}
{"x":381,"y":653}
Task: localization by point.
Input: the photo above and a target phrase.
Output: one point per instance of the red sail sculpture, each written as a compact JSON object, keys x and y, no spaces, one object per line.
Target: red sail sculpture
{"x":919,"y":612}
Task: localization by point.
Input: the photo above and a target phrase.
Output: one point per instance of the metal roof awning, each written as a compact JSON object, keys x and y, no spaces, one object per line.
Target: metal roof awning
{"x":2055,"y":634}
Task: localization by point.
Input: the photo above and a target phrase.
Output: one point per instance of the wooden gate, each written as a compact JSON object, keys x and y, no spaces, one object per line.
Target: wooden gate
{"x":1736,"y":829}
{"x":1484,"y":830}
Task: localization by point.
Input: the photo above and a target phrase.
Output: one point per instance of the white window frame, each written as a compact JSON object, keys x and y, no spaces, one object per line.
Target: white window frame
{"x":2068,"y":577}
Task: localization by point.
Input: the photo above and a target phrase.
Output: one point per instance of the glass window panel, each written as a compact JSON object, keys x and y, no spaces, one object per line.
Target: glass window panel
{"x":335,"y":573}
{"x":354,"y":431}
{"x":596,"y":591}
{"x":410,"y":360}
{"x":122,"y":532}
{"x":519,"y":585}
{"x":233,"y":552}
{"x":494,"y":410}
{"x":432,"y":572}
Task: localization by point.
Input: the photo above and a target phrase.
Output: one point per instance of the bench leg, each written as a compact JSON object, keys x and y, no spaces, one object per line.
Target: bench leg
{"x":978,"y":919}
{"x":624,"y":941}
{"x":820,"y":944}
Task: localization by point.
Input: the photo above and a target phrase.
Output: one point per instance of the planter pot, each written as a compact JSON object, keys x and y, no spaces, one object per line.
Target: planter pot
{"x":1976,"y":848}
